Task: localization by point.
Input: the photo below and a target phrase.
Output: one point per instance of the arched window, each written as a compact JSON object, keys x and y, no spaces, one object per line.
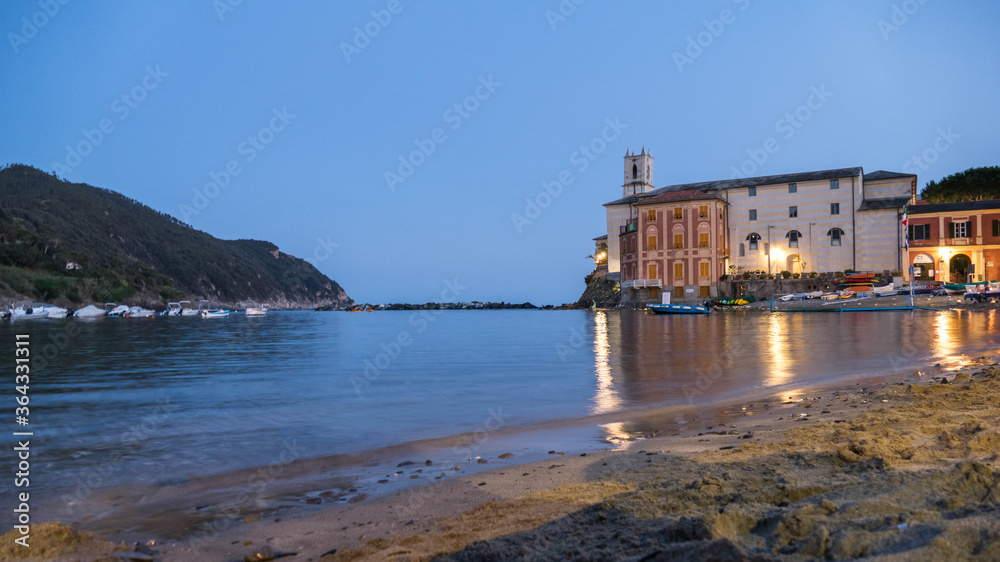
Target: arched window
{"x":835,"y":234}
{"x":741,"y":251}
{"x":793,"y":238}
{"x":753,"y":238}
{"x":635,"y":171}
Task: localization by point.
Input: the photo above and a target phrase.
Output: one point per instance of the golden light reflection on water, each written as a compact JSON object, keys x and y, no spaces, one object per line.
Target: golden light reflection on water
{"x":776,"y":352}
{"x":606,"y":398}
{"x":944,"y":340}
{"x":615,"y":434}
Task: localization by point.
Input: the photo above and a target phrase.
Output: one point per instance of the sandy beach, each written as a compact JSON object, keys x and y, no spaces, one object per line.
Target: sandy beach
{"x":901,"y":469}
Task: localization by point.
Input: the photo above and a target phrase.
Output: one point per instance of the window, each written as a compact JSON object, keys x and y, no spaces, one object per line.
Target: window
{"x":678,"y":241}
{"x":793,"y":188}
{"x":704,"y":291}
{"x":741,"y":250}
{"x":834,"y":184}
{"x":678,"y":271}
{"x":678,"y":213}
{"x":959,"y":229}
{"x":703,"y":211}
{"x":834,"y":208}
{"x":654,"y":292}
{"x":752,"y":192}
{"x":679,"y":292}
{"x":652,"y":271}
{"x":651,"y":215}
{"x":703,"y":240}
{"x":635,"y":171}
{"x":651,"y":242}
{"x":703,"y":269}
{"x":754,"y":238}
{"x":923,"y":231}
{"x":753,"y":214}
{"x":996,"y":228}
{"x":835,"y":235}
{"x":793,"y":238}
{"x":793,"y":212}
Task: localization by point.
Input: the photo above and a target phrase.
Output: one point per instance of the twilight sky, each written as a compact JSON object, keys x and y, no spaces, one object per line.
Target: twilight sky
{"x":397,"y":144}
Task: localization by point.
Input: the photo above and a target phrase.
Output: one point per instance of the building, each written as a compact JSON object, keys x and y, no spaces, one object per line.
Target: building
{"x":676,"y":242}
{"x":823,"y":221}
{"x":955,"y":242}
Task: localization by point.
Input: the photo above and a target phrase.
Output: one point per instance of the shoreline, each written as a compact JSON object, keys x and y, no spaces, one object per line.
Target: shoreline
{"x":387,"y":518}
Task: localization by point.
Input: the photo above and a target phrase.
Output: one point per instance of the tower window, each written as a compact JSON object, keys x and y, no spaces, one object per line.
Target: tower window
{"x":753,"y":214}
{"x":835,"y":235}
{"x":793,"y":188}
{"x":635,"y":171}
{"x":752,"y":192}
{"x":834,"y":184}
{"x":834,"y":208}
{"x":793,"y":212}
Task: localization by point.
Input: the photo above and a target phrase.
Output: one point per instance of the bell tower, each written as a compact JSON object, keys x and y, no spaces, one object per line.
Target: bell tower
{"x":638,"y":173}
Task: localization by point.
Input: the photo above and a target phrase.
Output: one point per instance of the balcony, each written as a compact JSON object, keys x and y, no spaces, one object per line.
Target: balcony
{"x":639,"y":283}
{"x":630,"y":226}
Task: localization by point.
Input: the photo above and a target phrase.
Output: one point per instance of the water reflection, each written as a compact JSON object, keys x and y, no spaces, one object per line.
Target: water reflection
{"x":606,"y":398}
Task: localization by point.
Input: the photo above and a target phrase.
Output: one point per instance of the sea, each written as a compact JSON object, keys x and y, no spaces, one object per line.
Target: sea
{"x":116,"y":403}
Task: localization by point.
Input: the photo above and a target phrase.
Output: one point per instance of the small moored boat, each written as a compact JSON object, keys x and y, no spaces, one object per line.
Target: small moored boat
{"x":254,"y":311}
{"x":22,"y":313}
{"x":679,"y":309}
{"x":214,"y":313}
{"x":89,"y":311}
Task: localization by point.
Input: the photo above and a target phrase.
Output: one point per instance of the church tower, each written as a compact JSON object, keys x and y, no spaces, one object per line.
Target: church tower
{"x":638,"y":173}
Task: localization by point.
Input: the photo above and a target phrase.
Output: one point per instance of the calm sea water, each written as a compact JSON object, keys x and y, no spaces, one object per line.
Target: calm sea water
{"x":171,"y":398}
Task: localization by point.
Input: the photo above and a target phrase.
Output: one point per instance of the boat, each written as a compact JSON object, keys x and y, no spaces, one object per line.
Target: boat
{"x":254,"y":311}
{"x":53,"y":310}
{"x":734,"y":301}
{"x":187,"y":310}
{"x":140,"y":312}
{"x":114,"y":311}
{"x":955,"y":289}
{"x":679,"y":309}
{"x":173,"y":309}
{"x":29,"y":313}
{"x":214,"y":313}
{"x":89,"y":311}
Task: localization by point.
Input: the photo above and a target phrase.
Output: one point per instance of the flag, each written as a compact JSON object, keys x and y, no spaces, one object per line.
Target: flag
{"x":906,"y":234}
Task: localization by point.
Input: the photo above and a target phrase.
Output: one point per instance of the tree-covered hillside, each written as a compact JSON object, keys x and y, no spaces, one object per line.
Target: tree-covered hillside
{"x":974,"y":184}
{"x":126,"y":250}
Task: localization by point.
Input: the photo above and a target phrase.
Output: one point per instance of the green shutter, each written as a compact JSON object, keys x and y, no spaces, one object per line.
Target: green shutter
{"x":951,"y":230}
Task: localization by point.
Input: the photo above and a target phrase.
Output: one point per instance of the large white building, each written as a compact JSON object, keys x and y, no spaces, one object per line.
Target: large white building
{"x":828,"y":220}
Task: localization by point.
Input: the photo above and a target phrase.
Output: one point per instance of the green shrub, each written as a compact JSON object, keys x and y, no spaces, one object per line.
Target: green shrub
{"x":47,"y":288}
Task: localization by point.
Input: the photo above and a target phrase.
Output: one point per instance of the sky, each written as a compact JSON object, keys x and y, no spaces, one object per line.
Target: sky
{"x":413,"y":151}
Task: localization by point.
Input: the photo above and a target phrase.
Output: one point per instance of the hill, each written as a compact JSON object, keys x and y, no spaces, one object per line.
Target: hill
{"x":128,"y":252}
{"x":974,"y":184}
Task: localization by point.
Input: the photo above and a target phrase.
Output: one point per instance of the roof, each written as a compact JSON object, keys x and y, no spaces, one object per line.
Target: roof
{"x":602,"y":237}
{"x":884,"y":175}
{"x":745,"y":182}
{"x":684,"y":195}
{"x":885,"y":203}
{"x":952,"y":207}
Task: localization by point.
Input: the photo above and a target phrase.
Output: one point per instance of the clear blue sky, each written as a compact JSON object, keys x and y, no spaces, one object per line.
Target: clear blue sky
{"x":198,"y":81}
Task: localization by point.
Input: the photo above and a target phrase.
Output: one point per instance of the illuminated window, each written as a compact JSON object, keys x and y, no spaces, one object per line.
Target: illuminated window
{"x":753,"y":238}
{"x":678,"y":271}
{"x":651,"y":215}
{"x":651,"y":269}
{"x":651,"y":242}
{"x":678,"y":241}
{"x":678,"y":213}
{"x":703,"y":240}
{"x":703,"y":211}
{"x":703,"y":269}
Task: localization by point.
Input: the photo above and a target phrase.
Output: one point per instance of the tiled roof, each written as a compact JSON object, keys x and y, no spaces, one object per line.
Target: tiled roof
{"x":602,"y":237}
{"x":952,"y":207}
{"x":884,"y":175}
{"x":745,"y":182}
{"x":885,"y":203}
{"x":684,"y":195}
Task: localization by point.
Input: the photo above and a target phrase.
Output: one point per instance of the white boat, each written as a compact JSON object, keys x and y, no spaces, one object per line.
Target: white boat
{"x":187,"y":311}
{"x":253,"y":311}
{"x":22,"y":313}
{"x":214,"y":313}
{"x":89,"y":311}
{"x":173,"y":309}
{"x":114,"y":311}
{"x":139,"y":312}
{"x":54,"y":311}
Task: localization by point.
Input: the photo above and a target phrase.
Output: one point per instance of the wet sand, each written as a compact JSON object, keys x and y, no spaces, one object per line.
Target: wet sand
{"x":903,"y":470}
